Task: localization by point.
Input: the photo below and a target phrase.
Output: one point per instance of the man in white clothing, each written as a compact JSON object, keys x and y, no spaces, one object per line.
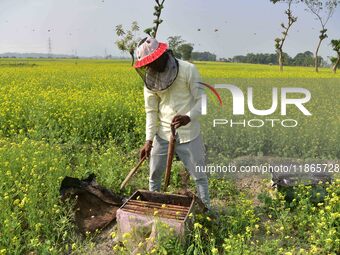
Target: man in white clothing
{"x":172,"y":96}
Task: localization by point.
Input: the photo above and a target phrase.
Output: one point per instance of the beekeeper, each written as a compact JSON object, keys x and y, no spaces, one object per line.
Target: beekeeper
{"x":172,"y":96}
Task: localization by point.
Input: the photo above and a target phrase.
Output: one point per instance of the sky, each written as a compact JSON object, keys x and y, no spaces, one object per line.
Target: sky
{"x":87,"y":27}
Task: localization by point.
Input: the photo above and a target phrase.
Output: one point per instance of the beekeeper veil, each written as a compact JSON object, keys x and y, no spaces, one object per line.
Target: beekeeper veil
{"x":156,"y":64}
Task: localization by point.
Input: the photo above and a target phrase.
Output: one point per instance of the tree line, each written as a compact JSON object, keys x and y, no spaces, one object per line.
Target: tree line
{"x":301,"y":59}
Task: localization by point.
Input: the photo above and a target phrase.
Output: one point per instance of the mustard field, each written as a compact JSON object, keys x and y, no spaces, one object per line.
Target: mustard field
{"x":75,"y":117}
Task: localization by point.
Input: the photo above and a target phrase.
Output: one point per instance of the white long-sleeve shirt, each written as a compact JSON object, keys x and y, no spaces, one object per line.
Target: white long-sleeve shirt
{"x":183,"y":97}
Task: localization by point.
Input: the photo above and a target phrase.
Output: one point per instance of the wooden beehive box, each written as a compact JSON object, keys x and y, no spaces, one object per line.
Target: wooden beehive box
{"x":144,"y":208}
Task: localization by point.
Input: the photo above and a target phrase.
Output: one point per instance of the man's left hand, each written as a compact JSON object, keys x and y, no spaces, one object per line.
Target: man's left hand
{"x":180,"y":120}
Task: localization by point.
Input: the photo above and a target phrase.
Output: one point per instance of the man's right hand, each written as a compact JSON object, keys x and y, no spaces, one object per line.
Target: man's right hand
{"x":145,"y":150}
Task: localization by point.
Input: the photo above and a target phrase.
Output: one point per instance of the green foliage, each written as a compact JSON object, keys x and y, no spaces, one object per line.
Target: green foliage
{"x":323,"y":34}
{"x":152,"y":31}
{"x":128,"y":39}
{"x":335,"y":45}
{"x":304,"y":59}
{"x":180,"y":47}
{"x":32,"y":216}
{"x":185,"y":50}
{"x":174,"y":43}
{"x":272,"y":227}
{"x":269,"y":228}
{"x":203,"y":56}
{"x":335,"y":60}
{"x":301,"y":59}
{"x":303,"y":225}
{"x":297,"y":142}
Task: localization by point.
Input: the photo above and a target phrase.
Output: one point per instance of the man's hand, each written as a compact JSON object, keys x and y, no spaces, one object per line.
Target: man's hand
{"x":145,"y":150}
{"x":180,"y":120}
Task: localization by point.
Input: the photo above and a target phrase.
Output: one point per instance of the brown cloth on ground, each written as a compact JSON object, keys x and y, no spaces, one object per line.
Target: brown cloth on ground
{"x":95,"y":206}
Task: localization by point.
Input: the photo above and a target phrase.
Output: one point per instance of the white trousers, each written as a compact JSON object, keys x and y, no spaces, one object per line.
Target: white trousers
{"x":192,"y":154}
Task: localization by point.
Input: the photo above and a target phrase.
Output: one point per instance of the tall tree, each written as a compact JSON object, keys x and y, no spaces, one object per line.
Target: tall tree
{"x":323,"y":10}
{"x":279,"y":42}
{"x":128,"y":39}
{"x":186,"y":49}
{"x":174,"y":43}
{"x":336,"y":47}
{"x":304,"y":59}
